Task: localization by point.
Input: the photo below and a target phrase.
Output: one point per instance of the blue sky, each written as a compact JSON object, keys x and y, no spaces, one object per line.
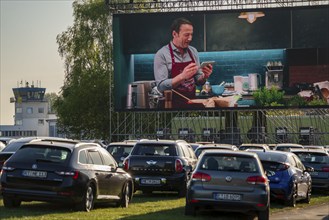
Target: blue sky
{"x":28,"y":47}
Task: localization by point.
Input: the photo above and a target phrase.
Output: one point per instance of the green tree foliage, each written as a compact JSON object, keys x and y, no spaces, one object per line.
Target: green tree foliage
{"x":83,"y":105}
{"x":51,"y":98}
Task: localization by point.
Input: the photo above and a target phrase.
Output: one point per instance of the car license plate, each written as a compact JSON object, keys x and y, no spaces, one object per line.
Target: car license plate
{"x":222,"y":196}
{"x":34,"y":173}
{"x":150,"y":181}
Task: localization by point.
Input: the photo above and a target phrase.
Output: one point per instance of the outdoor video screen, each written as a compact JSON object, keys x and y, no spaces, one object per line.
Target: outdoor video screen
{"x":279,"y":60}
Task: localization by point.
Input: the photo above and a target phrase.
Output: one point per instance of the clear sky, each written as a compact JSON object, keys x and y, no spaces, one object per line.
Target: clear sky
{"x":28,"y":47}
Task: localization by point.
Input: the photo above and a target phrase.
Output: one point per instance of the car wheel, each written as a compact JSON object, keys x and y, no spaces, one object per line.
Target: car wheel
{"x":308,"y":195}
{"x":88,"y":200}
{"x":293,"y":197}
{"x":125,"y":196}
{"x":189,"y":210}
{"x":9,"y":202}
{"x":264,"y":215}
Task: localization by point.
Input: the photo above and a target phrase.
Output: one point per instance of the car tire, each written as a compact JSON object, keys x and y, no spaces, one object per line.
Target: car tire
{"x":88,"y":200}
{"x":9,"y":202}
{"x":126,"y":191}
{"x":264,"y":215}
{"x":292,"y":197}
{"x":189,"y":210}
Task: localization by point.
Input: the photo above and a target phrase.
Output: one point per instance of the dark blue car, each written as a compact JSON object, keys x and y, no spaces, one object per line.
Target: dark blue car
{"x":290,"y":180}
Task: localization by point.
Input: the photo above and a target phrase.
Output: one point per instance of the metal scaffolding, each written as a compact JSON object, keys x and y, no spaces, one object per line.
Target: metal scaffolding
{"x":144,"y":6}
{"x":225,"y":126}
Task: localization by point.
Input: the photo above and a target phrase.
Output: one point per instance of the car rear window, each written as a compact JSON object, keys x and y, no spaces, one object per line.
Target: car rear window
{"x":309,"y":157}
{"x":229,"y":163}
{"x":266,"y":156}
{"x":119,"y":149}
{"x":41,"y":154}
{"x":155,"y":150}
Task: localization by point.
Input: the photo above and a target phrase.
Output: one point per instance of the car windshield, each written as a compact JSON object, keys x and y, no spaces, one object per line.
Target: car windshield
{"x":231,"y":163}
{"x":309,"y":157}
{"x":41,"y":154}
{"x":155,"y":149}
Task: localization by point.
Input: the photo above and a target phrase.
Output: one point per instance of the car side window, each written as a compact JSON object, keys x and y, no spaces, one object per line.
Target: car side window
{"x":185,"y":151}
{"x":108,"y":160}
{"x":299,"y":164}
{"x":83,"y":157}
{"x":192,"y":154}
{"x":95,"y":157}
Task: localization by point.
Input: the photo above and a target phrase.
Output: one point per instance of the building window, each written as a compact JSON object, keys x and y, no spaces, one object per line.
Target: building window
{"x":41,"y":122}
{"x":29,"y":110}
{"x":41,"y":110}
{"x":19,"y":110}
{"x":19,"y":122}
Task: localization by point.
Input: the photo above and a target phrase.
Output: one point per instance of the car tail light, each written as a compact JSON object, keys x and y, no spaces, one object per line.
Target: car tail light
{"x":74,"y":174}
{"x":126,"y":164}
{"x":178,"y":166}
{"x":203,"y":177}
{"x":325,"y":169}
{"x":256,"y":180}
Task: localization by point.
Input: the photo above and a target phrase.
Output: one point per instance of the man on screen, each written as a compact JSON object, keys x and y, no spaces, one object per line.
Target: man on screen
{"x":177,"y":65}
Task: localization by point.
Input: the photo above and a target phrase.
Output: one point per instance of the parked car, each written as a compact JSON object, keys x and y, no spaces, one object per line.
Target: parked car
{"x":231,"y":181}
{"x":71,"y":172}
{"x":253,"y":146}
{"x":319,"y":160}
{"x":161,"y":165}
{"x":289,"y":179}
{"x":313,"y":147}
{"x":16,"y":144}
{"x":200,"y":149}
{"x":120,"y":150}
{"x":287,"y":146}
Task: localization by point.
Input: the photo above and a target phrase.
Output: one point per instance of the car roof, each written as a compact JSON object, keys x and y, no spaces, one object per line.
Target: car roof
{"x":161,"y":141}
{"x":219,"y":151}
{"x":70,"y":144}
{"x":310,"y":150}
{"x":288,"y":144}
{"x":270,"y":152}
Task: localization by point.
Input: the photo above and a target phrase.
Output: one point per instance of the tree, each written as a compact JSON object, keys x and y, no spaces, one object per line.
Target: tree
{"x":51,"y":98}
{"x":83,"y":104}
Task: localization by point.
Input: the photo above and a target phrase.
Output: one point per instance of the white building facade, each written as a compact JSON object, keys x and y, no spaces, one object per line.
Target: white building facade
{"x":33,"y":116}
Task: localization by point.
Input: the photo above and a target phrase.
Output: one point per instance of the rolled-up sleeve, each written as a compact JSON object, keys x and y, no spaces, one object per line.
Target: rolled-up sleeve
{"x":161,"y":70}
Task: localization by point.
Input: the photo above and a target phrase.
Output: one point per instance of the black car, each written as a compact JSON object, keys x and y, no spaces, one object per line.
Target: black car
{"x":72,"y":172}
{"x":161,"y":165}
{"x":15,"y":144}
{"x":120,"y":150}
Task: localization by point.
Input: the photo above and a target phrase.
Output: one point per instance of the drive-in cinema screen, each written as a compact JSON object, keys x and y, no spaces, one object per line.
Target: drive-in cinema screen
{"x":279,"y":60}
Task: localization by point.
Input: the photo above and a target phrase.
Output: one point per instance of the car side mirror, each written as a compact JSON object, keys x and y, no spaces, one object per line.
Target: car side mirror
{"x":309,"y":169}
{"x":113,"y":168}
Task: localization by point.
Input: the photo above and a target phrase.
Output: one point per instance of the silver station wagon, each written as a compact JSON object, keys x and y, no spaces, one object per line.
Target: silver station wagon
{"x":231,"y":181}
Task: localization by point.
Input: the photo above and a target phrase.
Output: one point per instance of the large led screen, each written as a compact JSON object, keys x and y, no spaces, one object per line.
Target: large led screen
{"x":272,"y":62}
